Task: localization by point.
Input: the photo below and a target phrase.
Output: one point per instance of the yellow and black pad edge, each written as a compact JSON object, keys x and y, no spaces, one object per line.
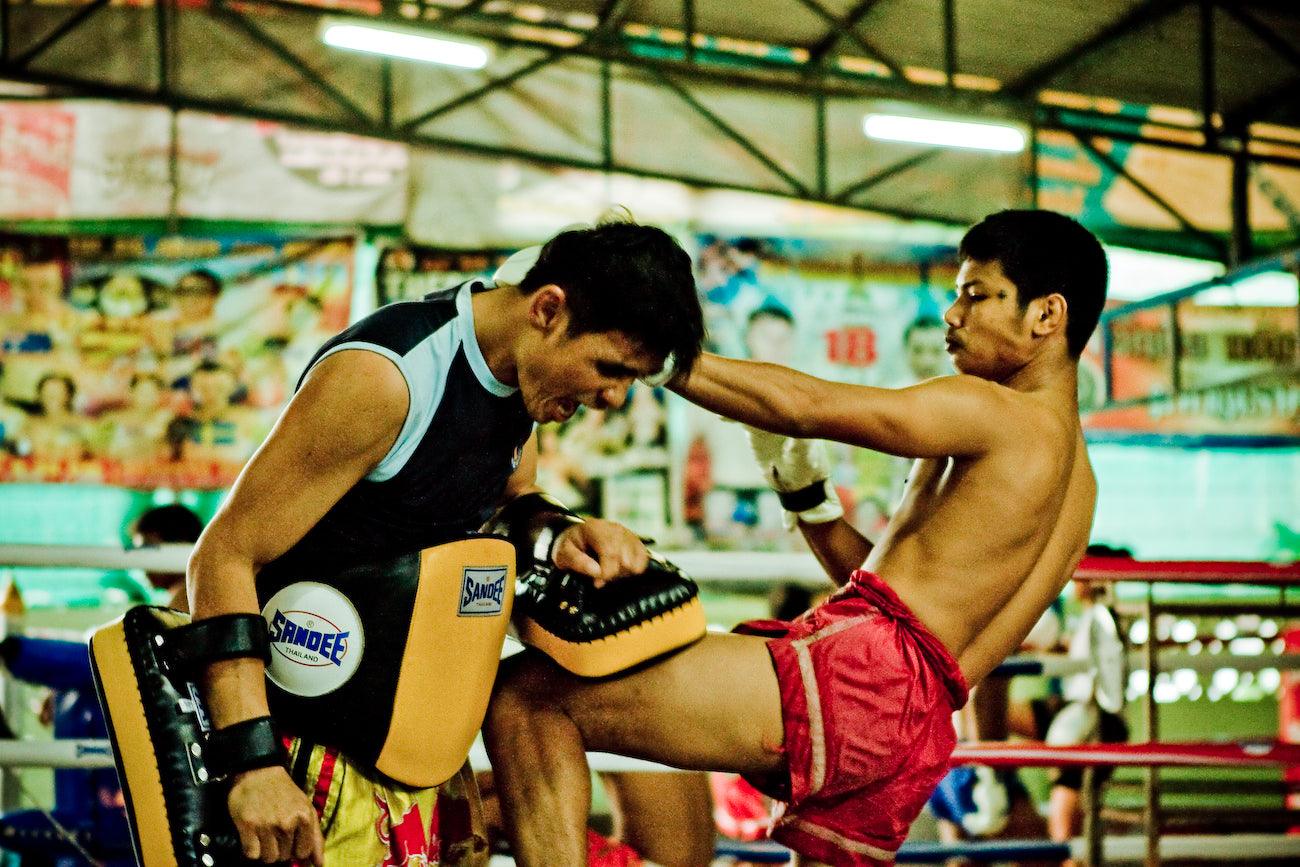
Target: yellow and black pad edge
{"x":154,"y":722}
{"x":599,"y":631}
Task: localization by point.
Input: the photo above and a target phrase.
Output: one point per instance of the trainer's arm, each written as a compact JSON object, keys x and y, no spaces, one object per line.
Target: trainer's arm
{"x":337,"y":428}
{"x":948,"y":416}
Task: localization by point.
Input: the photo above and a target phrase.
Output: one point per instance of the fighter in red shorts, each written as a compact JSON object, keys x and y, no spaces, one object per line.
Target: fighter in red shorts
{"x":844,"y":714}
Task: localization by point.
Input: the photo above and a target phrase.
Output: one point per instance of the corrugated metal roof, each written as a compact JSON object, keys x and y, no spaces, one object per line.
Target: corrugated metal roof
{"x":770,"y":98}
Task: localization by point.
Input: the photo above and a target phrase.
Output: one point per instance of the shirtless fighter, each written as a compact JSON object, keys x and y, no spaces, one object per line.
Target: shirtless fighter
{"x":844,"y":714}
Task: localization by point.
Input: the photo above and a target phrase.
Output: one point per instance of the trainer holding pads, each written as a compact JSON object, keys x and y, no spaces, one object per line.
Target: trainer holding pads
{"x":409,"y":430}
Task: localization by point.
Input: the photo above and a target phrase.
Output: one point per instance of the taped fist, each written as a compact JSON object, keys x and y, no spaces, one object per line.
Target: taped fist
{"x":799,"y":471}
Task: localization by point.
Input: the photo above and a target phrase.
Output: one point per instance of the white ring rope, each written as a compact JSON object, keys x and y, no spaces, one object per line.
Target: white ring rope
{"x":711,"y":567}
{"x":90,"y":753}
{"x":715,"y":567}
{"x":1059,"y":665}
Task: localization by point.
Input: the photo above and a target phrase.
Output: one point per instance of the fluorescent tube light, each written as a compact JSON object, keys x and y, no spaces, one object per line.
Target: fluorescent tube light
{"x":944,"y":133}
{"x":393,"y":42}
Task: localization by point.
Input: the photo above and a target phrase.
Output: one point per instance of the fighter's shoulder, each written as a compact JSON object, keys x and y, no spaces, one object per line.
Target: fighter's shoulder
{"x":1027,"y":417}
{"x":989,"y":396}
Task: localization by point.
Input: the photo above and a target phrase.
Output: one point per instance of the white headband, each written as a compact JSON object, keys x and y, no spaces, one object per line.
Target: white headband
{"x":514,"y":269}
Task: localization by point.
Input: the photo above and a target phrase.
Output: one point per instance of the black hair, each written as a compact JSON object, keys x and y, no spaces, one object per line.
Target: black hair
{"x":622,"y":276}
{"x":1043,"y":252}
{"x":920,"y":322}
{"x":173,"y":523}
{"x":209,"y":277}
{"x":68,"y":381}
{"x":772,"y":311}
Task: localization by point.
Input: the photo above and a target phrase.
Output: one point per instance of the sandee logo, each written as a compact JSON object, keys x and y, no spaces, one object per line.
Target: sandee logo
{"x":483,"y":590}
{"x":331,"y":645}
{"x":317,"y":639}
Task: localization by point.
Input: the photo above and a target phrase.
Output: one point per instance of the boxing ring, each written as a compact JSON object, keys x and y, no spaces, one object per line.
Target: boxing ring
{"x":732,"y":570}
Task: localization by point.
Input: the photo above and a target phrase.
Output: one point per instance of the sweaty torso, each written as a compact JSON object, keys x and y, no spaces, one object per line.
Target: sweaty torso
{"x":980,"y":546}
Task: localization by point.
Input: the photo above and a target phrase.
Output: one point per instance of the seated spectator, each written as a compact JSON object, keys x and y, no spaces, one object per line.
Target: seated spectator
{"x":167,"y":525}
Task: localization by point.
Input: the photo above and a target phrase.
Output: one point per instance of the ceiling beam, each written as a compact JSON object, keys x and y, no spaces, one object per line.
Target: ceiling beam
{"x":1140,"y":16}
{"x":141,"y":96}
{"x":730,"y":132}
{"x":1283,"y":47}
{"x":609,"y":15}
{"x":880,"y":176}
{"x":1212,"y":241}
{"x":469,"y":8}
{"x":479,"y":92}
{"x":846,"y":31}
{"x":69,"y":24}
{"x":292,"y":60}
{"x":823,"y":48}
{"x":775,"y":76}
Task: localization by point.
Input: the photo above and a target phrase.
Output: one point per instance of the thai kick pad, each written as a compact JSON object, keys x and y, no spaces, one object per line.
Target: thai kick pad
{"x":391,"y":662}
{"x":158,"y":730}
{"x":596,"y":631}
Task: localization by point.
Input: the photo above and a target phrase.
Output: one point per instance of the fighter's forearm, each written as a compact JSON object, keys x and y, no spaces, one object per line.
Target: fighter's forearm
{"x":766,"y":396}
{"x":838,"y":547}
{"x":222,"y":583}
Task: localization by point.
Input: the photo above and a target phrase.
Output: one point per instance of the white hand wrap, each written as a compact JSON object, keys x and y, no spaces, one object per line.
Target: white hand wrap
{"x":799,"y":471}
{"x":513,"y":270}
{"x":666,"y":373}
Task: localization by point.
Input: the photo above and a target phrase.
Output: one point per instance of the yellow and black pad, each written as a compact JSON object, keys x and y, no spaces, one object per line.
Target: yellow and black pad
{"x":598,"y":631}
{"x":158,"y":729}
{"x":391,"y":662}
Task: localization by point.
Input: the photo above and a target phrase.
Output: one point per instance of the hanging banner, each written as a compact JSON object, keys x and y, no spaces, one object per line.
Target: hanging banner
{"x":236,"y":169}
{"x":823,"y":308}
{"x":36,"y":158}
{"x":408,"y":272}
{"x":156,"y":361}
{"x":1238,"y":374}
{"x":81,"y":160}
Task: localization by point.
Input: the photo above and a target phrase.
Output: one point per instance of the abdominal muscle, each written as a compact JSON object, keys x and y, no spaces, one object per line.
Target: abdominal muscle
{"x":977,"y":551}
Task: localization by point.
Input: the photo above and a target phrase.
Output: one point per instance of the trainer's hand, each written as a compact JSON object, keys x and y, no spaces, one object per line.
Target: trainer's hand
{"x":275,"y":820}
{"x":600,"y":549}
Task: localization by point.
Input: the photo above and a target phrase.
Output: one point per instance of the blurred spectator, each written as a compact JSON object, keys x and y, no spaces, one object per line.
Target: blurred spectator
{"x":925,"y":342}
{"x":13,"y":423}
{"x":194,"y":328}
{"x":738,"y":503}
{"x":214,"y":429}
{"x":54,"y":430}
{"x":167,"y":525}
{"x":138,"y":430}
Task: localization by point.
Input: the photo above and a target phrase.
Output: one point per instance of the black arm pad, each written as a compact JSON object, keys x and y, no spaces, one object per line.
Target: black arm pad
{"x":531,"y":522}
{"x":244,"y":746}
{"x":213,"y":639}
